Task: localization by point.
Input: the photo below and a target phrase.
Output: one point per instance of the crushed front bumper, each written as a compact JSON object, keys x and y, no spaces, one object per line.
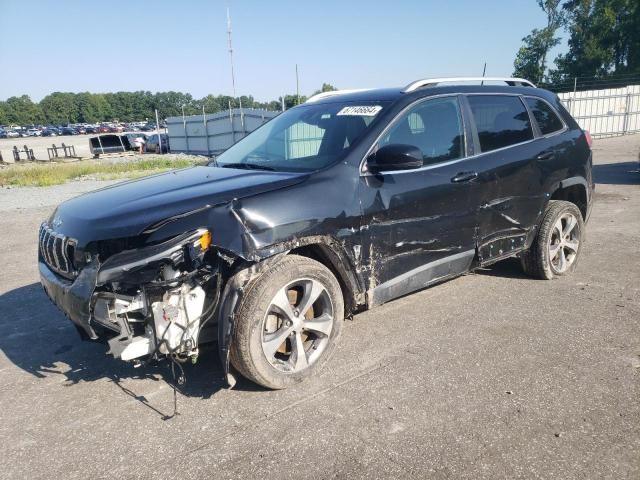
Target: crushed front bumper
{"x":72,"y":297}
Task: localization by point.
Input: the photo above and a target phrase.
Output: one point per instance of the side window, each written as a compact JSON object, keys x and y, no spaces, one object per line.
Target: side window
{"x":546,"y":118}
{"x":501,"y":121}
{"x":434,"y":126}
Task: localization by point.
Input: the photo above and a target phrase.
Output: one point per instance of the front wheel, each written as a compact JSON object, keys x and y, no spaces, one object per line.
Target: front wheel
{"x":557,"y":246}
{"x":288,"y":323}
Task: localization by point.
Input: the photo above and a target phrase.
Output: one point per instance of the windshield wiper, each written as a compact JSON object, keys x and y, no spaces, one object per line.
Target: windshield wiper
{"x":248,"y":166}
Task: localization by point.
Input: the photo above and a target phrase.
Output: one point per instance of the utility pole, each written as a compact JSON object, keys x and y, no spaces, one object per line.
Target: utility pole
{"x":159,"y":135}
{"x":233,"y":75}
{"x":297,"y":87}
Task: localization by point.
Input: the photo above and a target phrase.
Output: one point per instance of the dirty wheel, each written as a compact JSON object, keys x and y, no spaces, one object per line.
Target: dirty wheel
{"x":288,"y":324}
{"x":556,"y":248}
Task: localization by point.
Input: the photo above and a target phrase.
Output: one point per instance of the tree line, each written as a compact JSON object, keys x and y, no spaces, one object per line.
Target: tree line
{"x":603,"y":42}
{"x":63,"y":107}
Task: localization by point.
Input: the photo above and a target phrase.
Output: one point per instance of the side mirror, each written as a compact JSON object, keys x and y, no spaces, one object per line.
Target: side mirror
{"x":395,"y":157}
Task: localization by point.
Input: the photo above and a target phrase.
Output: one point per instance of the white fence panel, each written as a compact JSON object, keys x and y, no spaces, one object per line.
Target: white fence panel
{"x":606,"y":113}
{"x":213,"y":133}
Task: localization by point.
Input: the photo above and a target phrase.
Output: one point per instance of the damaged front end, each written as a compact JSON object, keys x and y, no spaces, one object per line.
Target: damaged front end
{"x":149,"y":302}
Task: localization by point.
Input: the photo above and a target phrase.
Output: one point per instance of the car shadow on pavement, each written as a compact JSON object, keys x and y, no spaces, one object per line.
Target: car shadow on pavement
{"x":625,"y":173}
{"x":37,"y":338}
{"x":508,"y":268}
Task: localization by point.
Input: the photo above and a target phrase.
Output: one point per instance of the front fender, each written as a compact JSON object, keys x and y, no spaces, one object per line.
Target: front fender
{"x":230,"y":300}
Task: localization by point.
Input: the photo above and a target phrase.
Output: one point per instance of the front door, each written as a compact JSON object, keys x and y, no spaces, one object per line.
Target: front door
{"x":419,"y":225}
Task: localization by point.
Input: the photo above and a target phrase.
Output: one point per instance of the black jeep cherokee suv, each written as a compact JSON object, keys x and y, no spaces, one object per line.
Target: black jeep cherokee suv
{"x":338,"y":205}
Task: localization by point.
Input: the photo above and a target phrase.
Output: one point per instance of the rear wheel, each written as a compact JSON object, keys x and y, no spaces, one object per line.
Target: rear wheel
{"x":289,"y":323}
{"x":557,"y":246}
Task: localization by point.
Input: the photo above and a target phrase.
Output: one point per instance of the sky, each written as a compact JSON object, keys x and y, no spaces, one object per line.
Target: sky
{"x":181,"y":45}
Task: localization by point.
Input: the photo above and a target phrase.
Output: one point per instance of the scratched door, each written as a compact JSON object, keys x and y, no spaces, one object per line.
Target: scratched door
{"x":508,"y":167}
{"x":416,"y":218}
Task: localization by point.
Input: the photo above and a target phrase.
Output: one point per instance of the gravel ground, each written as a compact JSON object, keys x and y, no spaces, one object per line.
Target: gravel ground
{"x":39,"y":145}
{"x":25,"y":198}
{"x":491,"y":375}
{"x":22,"y":199}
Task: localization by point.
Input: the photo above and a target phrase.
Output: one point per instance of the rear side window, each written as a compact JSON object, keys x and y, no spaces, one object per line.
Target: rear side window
{"x":434,"y":126}
{"x":546,"y":118}
{"x":501,"y":121}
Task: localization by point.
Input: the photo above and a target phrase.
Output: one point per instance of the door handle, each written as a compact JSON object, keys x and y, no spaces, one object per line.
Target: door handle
{"x":546,"y":156}
{"x":464,"y":177}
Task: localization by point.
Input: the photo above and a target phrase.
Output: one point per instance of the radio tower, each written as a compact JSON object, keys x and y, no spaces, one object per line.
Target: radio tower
{"x":233,"y":76}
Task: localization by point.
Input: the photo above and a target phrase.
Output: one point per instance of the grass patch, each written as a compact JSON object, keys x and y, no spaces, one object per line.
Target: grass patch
{"x":44,"y":175}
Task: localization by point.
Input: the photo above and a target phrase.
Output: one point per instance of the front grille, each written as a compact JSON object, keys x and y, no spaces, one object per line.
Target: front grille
{"x":56,"y":250}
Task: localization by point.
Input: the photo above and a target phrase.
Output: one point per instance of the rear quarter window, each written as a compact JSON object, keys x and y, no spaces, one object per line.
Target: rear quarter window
{"x":501,"y":121}
{"x":545,"y":116}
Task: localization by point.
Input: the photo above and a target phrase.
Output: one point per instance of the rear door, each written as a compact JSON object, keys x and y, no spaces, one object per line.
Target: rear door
{"x":513,"y":193}
{"x":555,"y":146}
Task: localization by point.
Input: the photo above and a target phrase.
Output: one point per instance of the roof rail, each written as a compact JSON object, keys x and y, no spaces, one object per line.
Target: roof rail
{"x":320,"y":96}
{"x":432,"y":82}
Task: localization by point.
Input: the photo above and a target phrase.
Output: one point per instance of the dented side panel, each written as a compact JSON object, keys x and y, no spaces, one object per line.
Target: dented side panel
{"x":416,"y":218}
{"x":519,"y":182}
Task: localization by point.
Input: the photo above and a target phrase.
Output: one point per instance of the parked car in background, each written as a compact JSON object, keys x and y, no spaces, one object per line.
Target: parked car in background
{"x":149,"y":127}
{"x":3,"y":133}
{"x":131,"y":137}
{"x":91,"y":130}
{"x":50,"y":132}
{"x":13,"y":134}
{"x":154,"y":142}
{"x":34,"y":132}
{"x":81,"y":130}
{"x":68,"y":131}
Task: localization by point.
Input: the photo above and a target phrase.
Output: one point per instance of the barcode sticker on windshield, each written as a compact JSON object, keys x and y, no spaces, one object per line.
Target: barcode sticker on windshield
{"x":362,"y":111}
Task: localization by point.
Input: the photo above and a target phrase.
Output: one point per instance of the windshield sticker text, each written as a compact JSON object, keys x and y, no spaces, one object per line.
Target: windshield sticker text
{"x":363,"y":111}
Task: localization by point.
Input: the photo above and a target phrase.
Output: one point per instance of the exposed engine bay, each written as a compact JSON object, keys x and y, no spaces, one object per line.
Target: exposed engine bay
{"x":174,"y":329}
{"x":156,"y":304}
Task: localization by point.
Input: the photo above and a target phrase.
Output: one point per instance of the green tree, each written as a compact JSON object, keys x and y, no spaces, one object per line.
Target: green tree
{"x":169,"y":104}
{"x":531,"y":59}
{"x":22,"y":111}
{"x":292,"y":100}
{"x":210,"y":103}
{"x":131,"y":106}
{"x":604,"y":39}
{"x":60,"y":107}
{"x":4,"y":118}
{"x":326,"y":87}
{"x":92,"y":107}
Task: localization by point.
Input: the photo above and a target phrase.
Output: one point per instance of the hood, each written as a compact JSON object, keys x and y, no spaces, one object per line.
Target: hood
{"x":128,"y":208}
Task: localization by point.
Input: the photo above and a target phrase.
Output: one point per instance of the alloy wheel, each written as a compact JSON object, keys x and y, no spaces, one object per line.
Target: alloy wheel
{"x":297,"y":325}
{"x":564,"y":242}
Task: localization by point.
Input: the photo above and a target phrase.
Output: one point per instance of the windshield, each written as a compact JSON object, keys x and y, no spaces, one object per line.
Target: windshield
{"x":305,"y":138}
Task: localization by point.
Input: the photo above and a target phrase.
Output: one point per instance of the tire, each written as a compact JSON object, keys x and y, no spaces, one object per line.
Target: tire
{"x":552,"y":255}
{"x":273,"y":326}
